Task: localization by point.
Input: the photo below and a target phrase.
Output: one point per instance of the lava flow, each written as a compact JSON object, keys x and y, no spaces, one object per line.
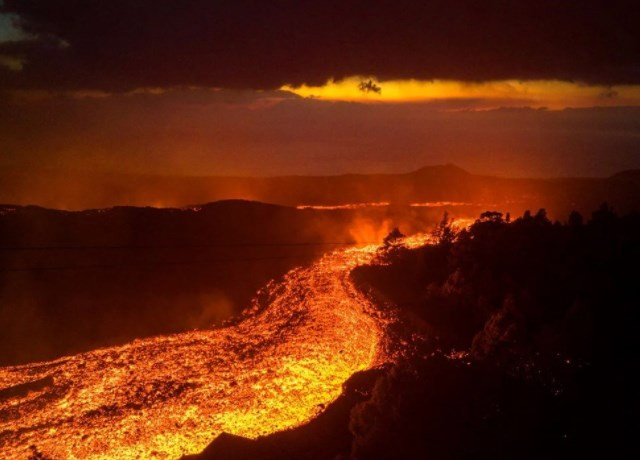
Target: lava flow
{"x":343,"y":206}
{"x":163,"y":397}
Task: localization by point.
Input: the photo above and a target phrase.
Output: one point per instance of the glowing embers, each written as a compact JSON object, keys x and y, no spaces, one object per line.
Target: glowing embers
{"x":438,"y":204}
{"x":343,"y":206}
{"x":167,"y":396}
{"x":426,"y":204}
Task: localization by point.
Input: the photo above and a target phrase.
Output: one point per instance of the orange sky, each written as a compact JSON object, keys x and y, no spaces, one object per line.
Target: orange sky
{"x":537,"y":89}
{"x":552,"y":94}
{"x":196,"y":131}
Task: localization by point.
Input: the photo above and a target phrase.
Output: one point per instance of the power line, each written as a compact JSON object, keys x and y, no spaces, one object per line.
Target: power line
{"x":182,"y":246}
{"x":147,"y":264}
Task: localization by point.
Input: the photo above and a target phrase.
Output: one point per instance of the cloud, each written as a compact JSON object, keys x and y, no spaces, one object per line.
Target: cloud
{"x":8,"y":29}
{"x":122,"y":44}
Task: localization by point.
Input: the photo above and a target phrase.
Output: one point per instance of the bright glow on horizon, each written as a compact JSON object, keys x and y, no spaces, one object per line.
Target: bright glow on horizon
{"x":552,"y":94}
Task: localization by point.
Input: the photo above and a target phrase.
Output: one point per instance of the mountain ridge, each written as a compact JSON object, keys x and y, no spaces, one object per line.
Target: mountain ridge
{"x":438,"y":183}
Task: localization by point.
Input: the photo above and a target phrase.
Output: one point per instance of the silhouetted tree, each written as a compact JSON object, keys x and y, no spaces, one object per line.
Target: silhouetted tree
{"x":369,"y":87}
{"x":491,"y":216}
{"x":547,"y":314}
{"x":575,"y":219}
{"x":393,"y":237}
{"x":444,"y":232}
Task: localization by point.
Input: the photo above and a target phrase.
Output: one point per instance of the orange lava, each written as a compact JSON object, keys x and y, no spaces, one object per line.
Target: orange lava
{"x":438,"y":204}
{"x":461,"y":223}
{"x":166,"y":396}
{"x":343,"y":206}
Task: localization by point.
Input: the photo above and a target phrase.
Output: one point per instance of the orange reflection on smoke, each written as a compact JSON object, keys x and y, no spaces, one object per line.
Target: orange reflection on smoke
{"x":364,"y":231}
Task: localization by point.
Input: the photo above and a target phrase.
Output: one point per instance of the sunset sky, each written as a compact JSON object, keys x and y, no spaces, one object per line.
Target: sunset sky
{"x":523,"y":88}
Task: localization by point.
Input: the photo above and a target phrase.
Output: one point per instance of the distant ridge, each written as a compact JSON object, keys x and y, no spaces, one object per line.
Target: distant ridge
{"x":438,"y":183}
{"x":629,"y":174}
{"x":447,"y":169}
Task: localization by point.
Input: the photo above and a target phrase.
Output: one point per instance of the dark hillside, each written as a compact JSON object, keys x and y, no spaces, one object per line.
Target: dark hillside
{"x":425,"y":185}
{"x":521,"y":344}
{"x":526,"y":342}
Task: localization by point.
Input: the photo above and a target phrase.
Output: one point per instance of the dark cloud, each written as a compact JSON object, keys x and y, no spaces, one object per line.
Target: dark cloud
{"x":609,"y":94}
{"x":369,"y":86}
{"x":124,"y":44}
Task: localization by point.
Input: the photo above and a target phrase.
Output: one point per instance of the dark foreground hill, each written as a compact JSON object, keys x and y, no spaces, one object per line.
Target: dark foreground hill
{"x":523,"y":345}
{"x":429,"y":184}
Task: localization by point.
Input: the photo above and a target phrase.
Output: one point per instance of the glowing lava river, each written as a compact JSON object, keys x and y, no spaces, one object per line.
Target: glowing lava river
{"x":162,"y":397}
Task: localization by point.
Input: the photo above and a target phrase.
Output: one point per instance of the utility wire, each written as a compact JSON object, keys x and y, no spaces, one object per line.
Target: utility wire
{"x":182,"y":246}
{"x":147,"y":264}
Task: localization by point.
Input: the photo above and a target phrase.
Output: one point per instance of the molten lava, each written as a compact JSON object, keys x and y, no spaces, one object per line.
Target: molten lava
{"x":439,"y":204}
{"x":343,"y":206}
{"x":163,"y":397}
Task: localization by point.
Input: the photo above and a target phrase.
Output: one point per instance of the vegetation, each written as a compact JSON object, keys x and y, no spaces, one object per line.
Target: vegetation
{"x":524,"y":342}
